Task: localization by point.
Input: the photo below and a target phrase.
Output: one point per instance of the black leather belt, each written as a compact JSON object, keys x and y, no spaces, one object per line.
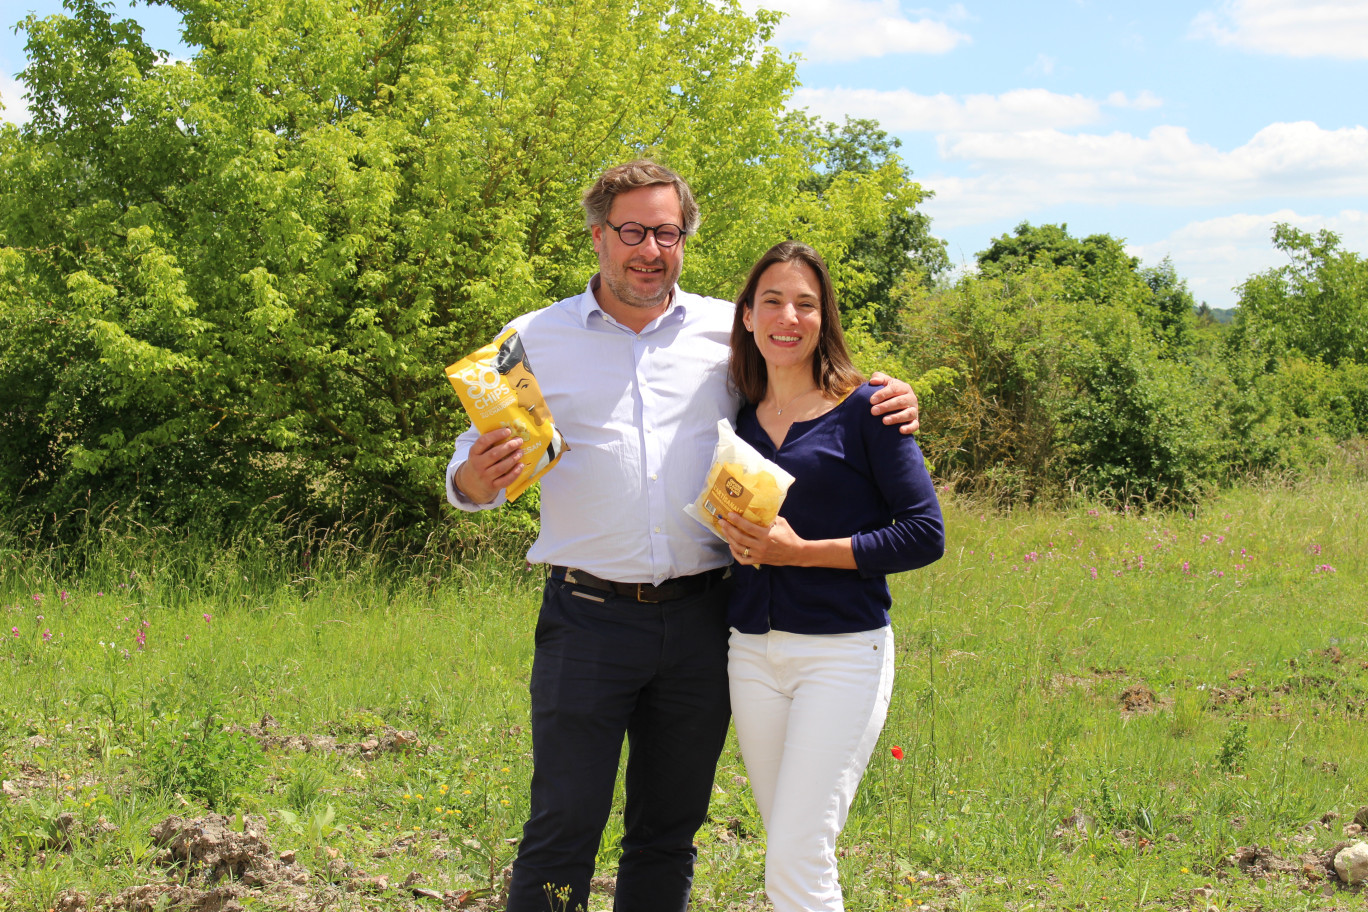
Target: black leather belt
{"x":668,"y":591}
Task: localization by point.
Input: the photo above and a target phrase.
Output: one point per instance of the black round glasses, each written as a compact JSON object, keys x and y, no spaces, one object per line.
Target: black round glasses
{"x":634,"y":233}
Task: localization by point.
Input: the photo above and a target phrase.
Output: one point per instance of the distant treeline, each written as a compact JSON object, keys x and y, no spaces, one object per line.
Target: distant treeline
{"x":1062,"y":364}
{"x":1215,"y":314}
{"x":228,"y":285}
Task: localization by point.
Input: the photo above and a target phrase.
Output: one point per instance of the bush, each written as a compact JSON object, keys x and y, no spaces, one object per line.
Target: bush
{"x":1138,"y":426}
{"x":202,"y":760}
{"x":1053,"y":393}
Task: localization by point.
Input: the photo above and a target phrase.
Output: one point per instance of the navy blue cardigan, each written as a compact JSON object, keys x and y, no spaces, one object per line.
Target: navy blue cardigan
{"x":856,"y":477}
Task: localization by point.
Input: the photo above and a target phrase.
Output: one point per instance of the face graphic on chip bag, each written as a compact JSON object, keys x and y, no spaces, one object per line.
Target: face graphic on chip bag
{"x":513,"y":364}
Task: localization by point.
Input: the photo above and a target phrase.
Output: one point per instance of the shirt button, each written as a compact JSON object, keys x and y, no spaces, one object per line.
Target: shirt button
{"x":653,"y":476}
{"x":657,"y":529}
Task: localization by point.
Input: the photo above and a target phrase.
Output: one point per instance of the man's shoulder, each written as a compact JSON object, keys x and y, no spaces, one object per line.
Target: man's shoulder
{"x":712,"y":312}
{"x":565,"y":312}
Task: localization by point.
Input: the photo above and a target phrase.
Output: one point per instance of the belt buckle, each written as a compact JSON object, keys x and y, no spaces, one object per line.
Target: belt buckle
{"x":640,"y":594}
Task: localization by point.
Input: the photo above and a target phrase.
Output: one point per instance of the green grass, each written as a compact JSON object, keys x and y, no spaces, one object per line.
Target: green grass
{"x":1020,"y":765}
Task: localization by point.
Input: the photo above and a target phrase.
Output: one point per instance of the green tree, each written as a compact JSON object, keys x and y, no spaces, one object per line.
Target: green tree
{"x":1104,"y":274}
{"x":903,"y":245}
{"x":1316,"y":306}
{"x":234,"y":280}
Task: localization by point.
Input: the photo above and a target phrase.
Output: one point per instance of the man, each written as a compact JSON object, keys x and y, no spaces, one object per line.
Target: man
{"x":631,"y":638}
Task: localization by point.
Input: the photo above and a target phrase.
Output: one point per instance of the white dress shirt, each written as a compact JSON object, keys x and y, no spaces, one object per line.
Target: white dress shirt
{"x":639,"y":413}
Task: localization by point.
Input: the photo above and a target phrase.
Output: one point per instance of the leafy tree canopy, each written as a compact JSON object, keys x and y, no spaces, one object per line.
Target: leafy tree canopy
{"x":235,"y":279}
{"x":903,"y":245}
{"x":1315,"y":307}
{"x":1104,"y":273}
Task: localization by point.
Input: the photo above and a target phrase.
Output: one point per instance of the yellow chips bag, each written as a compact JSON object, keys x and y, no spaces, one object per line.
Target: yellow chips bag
{"x":740,"y":481}
{"x":498,"y":389}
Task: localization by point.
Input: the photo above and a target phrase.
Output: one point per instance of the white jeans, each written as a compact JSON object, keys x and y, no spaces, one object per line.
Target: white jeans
{"x":808,"y":711}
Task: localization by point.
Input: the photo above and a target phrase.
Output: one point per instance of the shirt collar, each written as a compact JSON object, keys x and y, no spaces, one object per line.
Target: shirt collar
{"x":589,"y":305}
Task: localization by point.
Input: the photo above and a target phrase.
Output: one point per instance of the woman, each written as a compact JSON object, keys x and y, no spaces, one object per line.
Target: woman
{"x":811,"y":651}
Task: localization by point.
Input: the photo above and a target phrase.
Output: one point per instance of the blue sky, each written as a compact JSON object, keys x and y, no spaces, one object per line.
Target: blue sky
{"x":1187,"y":129}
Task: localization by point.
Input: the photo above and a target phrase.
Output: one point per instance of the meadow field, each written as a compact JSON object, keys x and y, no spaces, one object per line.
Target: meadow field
{"x":1095,"y":709}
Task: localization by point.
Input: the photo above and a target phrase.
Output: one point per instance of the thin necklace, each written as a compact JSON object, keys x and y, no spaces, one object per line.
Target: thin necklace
{"x":779,"y":411}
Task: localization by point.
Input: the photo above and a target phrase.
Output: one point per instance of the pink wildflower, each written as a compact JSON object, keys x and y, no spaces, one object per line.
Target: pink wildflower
{"x":47,"y":635}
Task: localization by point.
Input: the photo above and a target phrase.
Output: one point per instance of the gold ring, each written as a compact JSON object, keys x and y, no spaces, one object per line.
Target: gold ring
{"x":747,"y":553}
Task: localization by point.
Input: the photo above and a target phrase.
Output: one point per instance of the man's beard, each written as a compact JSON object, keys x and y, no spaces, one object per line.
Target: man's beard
{"x":621,"y":287}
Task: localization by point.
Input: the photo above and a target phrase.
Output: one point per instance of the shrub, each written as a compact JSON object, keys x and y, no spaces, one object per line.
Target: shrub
{"x":202,"y":760}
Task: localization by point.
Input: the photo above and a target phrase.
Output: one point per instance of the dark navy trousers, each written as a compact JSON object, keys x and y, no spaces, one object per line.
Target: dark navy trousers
{"x":608,"y":667}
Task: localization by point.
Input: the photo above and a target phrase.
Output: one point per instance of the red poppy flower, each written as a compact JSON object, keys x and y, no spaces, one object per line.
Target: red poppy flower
{"x":897,"y":752}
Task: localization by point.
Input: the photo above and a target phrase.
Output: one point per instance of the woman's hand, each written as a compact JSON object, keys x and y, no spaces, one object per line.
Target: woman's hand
{"x":751,"y":543}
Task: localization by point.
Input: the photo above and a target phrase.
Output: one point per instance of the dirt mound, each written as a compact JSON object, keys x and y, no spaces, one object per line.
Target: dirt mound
{"x":1257,"y":861}
{"x":1138,"y":699}
{"x":156,"y":897}
{"x":69,"y":830}
{"x":211,"y":849}
{"x":216,"y":867}
{"x":386,"y":740}
{"x":1311,"y":867}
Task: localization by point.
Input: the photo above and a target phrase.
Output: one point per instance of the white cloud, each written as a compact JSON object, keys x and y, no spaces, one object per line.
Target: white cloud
{"x":1044,"y":64}
{"x":1216,"y":255}
{"x":904,"y":111}
{"x":1019,"y":173}
{"x":1145,"y":101}
{"x":1292,"y":28}
{"x":842,"y":30}
{"x":12,"y":96}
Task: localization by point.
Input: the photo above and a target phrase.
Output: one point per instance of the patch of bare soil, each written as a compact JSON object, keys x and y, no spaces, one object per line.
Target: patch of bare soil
{"x":370,"y":746}
{"x":1313,"y":869}
{"x":213,"y":867}
{"x":68,"y":829}
{"x":1138,"y":699}
{"x":1060,"y":681}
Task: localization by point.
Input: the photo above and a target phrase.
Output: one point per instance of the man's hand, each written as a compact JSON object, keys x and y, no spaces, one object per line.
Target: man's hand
{"x":896,"y":402}
{"x":494,"y":463}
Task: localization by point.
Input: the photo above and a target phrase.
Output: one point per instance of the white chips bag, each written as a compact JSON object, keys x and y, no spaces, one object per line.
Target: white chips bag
{"x":740,"y":481}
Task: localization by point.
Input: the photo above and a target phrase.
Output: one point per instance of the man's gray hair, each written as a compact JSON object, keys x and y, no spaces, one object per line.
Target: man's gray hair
{"x":598,"y":199}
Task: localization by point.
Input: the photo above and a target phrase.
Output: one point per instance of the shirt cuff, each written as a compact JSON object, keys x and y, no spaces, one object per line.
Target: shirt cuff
{"x":460,"y":501}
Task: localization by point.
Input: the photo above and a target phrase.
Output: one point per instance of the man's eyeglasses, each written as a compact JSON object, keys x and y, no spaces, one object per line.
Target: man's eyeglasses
{"x":634,"y":233}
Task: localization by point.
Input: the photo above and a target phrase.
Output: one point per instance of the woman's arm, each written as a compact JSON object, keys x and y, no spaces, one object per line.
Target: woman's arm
{"x":916,"y":537}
